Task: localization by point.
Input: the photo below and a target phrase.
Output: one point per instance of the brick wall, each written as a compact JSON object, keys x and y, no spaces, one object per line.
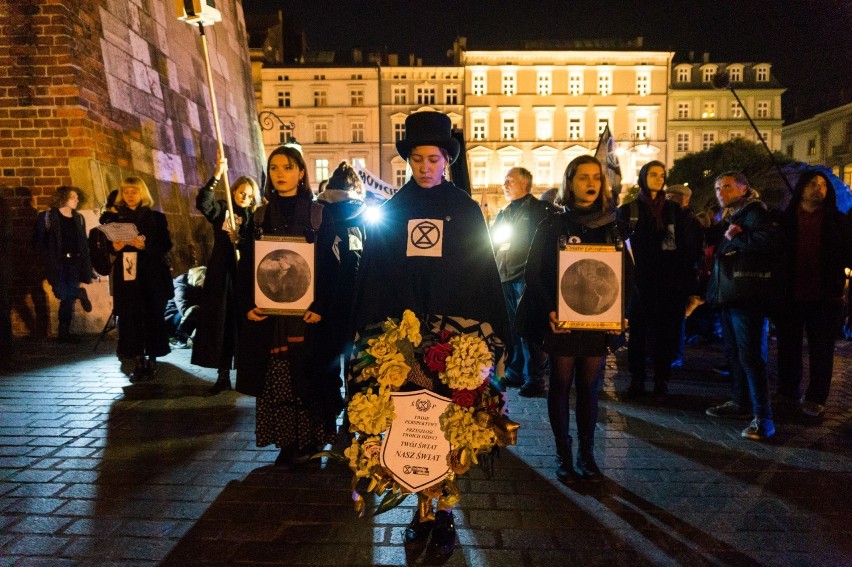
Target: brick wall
{"x":92,"y":91}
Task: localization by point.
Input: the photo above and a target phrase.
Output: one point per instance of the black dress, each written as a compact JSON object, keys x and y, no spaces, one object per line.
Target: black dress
{"x":142,"y":284}
{"x":296,"y":406}
{"x":216,"y":337}
{"x":577,"y":226}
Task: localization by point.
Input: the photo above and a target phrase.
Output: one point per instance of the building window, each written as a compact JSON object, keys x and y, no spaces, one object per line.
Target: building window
{"x":575,"y":83}
{"x":543,"y":171}
{"x":602,"y":124}
{"x":734,"y":134}
{"x":764,"y":136}
{"x":709,"y":110}
{"x":356,"y":97}
{"x":683,"y":142}
{"x":479,"y":171}
{"x":479,"y":132}
{"x":400,"y":95}
{"x":320,"y":133}
{"x":509,"y":128}
{"x":604,"y":83}
{"x":509,"y":84}
{"x":684,"y":109}
{"x":708,"y":140}
{"x":736,"y":110}
{"x":683,"y":74}
{"x":641,"y":127}
{"x":812,"y":147}
{"x":358,"y":132}
{"x":321,"y":169}
{"x":451,"y":94}
{"x":320,"y":98}
{"x":283,"y":134}
{"x":735,"y":75}
{"x":763,"y":109}
{"x":762,"y":74}
{"x":284,"y":99}
{"x":544,"y":126}
{"x":707,"y":74}
{"x":398,"y":131}
{"x":359,"y":163}
{"x":478,"y":83}
{"x":425,"y":95}
{"x":544,"y":83}
{"x":790,"y":150}
{"x":643,"y":83}
{"x":575,"y":128}
{"x":399,"y":174}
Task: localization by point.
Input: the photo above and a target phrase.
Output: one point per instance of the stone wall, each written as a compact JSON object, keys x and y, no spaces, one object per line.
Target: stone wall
{"x":92,"y":91}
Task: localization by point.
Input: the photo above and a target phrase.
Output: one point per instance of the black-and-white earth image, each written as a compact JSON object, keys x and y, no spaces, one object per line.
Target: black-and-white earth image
{"x":283,"y":276}
{"x":589,"y":287}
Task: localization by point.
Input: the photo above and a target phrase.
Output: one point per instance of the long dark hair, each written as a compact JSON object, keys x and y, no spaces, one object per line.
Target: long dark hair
{"x":565,"y":196}
{"x":295,"y":156}
{"x":806,"y":177}
{"x":63,"y":193}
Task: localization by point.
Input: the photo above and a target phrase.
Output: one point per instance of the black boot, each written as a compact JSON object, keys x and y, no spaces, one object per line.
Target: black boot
{"x":150,"y":367}
{"x":65,"y":335}
{"x":564,"y":456}
{"x":585,"y":465}
{"x":138,"y":372}
{"x":223,"y":382}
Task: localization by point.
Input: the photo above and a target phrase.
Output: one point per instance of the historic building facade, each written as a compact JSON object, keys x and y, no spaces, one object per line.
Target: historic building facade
{"x":824,"y":139}
{"x":701,"y":115}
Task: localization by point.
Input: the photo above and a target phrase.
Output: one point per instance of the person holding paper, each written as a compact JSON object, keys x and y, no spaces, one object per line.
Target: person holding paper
{"x":142,"y":282}
{"x":576,"y":356}
{"x":217,"y":334}
{"x":296,"y":407}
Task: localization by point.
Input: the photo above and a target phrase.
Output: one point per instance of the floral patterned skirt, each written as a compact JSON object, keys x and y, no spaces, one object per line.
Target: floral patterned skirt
{"x":283,"y":419}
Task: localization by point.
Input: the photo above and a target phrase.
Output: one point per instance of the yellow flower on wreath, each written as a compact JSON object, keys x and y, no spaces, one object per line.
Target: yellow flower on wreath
{"x":408,"y":329}
{"x":381,"y":348}
{"x":371,"y":412}
{"x":464,"y":432}
{"x":393,"y":371}
{"x":468,"y":364}
{"x":364,"y":457}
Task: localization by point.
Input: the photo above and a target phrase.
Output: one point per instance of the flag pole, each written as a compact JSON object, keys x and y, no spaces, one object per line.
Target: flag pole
{"x":216,"y":126}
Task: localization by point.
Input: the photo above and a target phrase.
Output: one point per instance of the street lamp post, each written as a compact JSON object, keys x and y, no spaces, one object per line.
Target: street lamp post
{"x":268,"y":119}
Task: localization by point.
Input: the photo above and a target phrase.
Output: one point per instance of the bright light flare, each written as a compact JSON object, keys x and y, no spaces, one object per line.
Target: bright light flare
{"x":373,"y":214}
{"x":501,"y":233}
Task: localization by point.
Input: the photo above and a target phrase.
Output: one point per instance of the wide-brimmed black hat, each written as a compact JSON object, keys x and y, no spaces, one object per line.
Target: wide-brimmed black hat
{"x":428,"y":129}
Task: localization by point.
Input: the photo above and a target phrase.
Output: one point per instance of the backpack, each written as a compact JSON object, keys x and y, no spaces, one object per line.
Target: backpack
{"x":100,"y":251}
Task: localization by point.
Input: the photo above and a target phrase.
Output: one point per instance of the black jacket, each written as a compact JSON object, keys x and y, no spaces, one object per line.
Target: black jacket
{"x":523,"y":217}
{"x":48,"y":238}
{"x":462,"y":281}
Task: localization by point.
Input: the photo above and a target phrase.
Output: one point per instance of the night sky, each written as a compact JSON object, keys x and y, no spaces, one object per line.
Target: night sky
{"x":809,"y":42}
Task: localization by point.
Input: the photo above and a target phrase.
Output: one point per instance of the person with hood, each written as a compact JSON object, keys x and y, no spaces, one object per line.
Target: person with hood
{"x":142,"y":282}
{"x":430,"y":252}
{"x":819,"y":248}
{"x":576,"y":356}
{"x":343,"y":199}
{"x":663,"y":279}
{"x":296,"y":406}
{"x":219,"y":319}
{"x":749,"y":246}
{"x":61,"y":233}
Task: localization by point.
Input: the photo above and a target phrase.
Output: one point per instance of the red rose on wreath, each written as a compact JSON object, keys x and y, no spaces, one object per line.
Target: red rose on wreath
{"x":436,"y":357}
{"x":465,"y":398}
{"x":445,"y":335}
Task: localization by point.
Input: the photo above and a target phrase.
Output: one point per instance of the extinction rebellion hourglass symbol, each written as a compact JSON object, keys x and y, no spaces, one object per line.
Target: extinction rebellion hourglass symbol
{"x":425,"y":235}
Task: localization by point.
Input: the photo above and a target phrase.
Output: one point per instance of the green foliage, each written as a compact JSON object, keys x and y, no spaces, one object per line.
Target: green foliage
{"x":699,"y":170}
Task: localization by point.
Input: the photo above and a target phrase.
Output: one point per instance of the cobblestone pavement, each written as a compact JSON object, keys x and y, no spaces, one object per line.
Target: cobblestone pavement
{"x":96,"y":471}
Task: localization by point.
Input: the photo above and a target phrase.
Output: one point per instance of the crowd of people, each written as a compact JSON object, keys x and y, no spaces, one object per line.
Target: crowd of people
{"x":719,"y":275}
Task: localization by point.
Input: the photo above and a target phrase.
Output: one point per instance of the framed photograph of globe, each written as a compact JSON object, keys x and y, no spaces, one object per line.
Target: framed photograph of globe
{"x":283,"y":275}
{"x":590,"y":287}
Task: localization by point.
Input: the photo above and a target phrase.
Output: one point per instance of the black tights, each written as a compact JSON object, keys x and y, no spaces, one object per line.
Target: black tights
{"x":587,"y":370}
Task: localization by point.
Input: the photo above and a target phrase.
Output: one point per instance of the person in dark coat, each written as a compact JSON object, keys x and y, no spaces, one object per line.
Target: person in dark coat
{"x":343,"y":199}
{"x":430,"y":252}
{"x":664,"y":277}
{"x":142,"y":283}
{"x":61,"y":233}
{"x":750,"y":233}
{"x":819,"y":240}
{"x":220,"y":319}
{"x":576,"y":356}
{"x":297,"y":407}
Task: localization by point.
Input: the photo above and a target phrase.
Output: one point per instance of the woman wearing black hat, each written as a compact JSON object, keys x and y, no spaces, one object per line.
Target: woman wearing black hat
{"x":430,"y":252}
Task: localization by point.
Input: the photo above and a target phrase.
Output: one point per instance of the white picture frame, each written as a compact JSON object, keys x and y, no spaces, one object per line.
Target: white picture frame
{"x":284,"y":275}
{"x":590,"y":288}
